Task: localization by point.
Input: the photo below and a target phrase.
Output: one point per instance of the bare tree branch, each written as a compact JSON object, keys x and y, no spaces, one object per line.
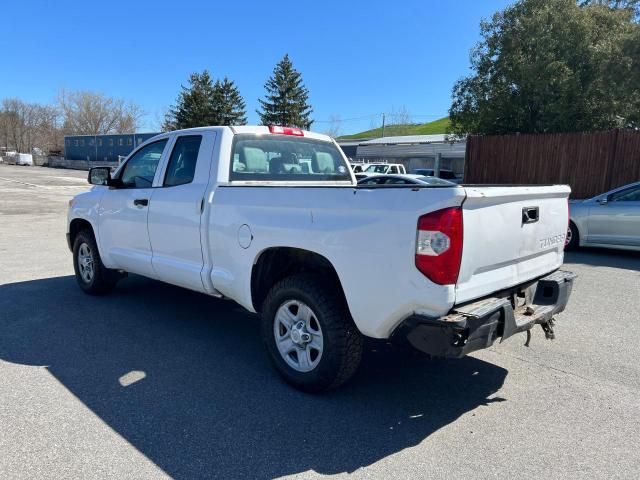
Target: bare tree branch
{"x":335,"y":126}
{"x":401,"y":116}
{"x":92,"y":113}
{"x":25,"y":126}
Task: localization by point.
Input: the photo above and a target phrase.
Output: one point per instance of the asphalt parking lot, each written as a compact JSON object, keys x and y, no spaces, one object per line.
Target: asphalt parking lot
{"x":155,"y":381}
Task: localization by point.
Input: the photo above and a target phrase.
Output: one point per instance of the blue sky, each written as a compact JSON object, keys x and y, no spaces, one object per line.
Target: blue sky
{"x":358,"y":59}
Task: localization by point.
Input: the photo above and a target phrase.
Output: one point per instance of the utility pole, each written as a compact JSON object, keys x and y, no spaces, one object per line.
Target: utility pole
{"x":436,"y":164}
{"x":383,"y":124}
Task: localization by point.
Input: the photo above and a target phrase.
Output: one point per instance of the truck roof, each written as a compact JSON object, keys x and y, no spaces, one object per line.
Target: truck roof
{"x":255,"y":129}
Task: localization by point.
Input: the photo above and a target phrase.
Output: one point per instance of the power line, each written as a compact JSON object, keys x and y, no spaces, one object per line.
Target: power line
{"x":378,"y":115}
{"x":365,"y":117}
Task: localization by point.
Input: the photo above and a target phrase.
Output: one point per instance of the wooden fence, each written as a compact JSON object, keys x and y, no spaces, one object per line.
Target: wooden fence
{"x":591,"y":163}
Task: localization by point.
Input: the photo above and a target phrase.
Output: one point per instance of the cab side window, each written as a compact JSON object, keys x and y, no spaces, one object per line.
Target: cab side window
{"x":140,"y":169}
{"x":182,"y":164}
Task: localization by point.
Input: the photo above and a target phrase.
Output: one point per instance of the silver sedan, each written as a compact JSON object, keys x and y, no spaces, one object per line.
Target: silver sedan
{"x":403,"y":179}
{"x":610,"y":220}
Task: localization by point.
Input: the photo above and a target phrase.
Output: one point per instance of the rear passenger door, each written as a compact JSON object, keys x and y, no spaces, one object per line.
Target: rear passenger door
{"x":175,"y":211}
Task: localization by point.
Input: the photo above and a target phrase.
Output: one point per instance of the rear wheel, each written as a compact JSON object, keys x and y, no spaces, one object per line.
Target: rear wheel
{"x":92,"y":276}
{"x":573,"y":237}
{"x":309,"y":333}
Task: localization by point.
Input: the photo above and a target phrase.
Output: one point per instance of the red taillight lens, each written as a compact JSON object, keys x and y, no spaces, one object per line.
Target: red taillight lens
{"x":439,"y":245}
{"x":286,"y":130}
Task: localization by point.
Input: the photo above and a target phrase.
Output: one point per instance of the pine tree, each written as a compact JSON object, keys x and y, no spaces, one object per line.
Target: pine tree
{"x":285,"y":103}
{"x":169,"y":123}
{"x":229,"y":105}
{"x":195,"y":105}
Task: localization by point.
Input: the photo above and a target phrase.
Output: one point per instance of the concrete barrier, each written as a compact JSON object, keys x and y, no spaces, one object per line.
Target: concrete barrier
{"x":61,"y":162}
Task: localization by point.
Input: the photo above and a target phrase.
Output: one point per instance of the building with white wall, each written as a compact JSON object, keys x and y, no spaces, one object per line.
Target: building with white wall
{"x":414,"y":151}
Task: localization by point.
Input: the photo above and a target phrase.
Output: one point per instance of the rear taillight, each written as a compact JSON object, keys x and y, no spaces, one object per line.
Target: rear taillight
{"x":286,"y":130}
{"x":439,"y":245}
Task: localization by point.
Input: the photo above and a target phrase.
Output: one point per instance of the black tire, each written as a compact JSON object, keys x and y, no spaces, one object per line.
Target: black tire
{"x":574,"y":237}
{"x":103,"y":280}
{"x":342,"y":342}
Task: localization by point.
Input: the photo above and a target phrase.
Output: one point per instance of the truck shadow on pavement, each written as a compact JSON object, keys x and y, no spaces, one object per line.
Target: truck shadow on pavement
{"x":184,"y":379}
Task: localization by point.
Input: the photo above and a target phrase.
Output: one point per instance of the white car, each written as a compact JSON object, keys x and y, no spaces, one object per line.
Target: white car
{"x":272,"y":218}
{"x":357,"y":167}
{"x":383,"y":168}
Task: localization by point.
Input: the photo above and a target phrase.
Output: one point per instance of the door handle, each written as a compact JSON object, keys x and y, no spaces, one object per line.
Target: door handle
{"x":141,"y":202}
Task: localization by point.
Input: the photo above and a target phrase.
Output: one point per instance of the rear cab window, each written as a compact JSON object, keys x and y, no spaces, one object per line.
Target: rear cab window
{"x":286,"y":158}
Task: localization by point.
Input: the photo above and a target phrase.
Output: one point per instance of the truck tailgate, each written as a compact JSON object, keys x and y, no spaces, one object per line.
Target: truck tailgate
{"x":511,"y":235}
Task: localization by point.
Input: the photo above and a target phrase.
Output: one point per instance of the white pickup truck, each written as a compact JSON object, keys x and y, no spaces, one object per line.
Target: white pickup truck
{"x":272,"y":218}
{"x":383,"y":168}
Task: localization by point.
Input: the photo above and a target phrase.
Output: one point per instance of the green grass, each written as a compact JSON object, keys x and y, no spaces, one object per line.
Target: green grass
{"x":437,"y":126}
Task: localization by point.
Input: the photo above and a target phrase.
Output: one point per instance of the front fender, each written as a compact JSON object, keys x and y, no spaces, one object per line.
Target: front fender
{"x":85,"y":207}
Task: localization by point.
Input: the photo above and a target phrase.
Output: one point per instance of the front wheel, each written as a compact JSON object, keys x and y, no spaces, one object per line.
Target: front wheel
{"x":309,"y":333}
{"x":92,"y":276}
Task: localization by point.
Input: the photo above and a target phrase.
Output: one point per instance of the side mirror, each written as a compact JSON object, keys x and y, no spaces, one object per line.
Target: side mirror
{"x":603,"y":201}
{"x":99,"y":176}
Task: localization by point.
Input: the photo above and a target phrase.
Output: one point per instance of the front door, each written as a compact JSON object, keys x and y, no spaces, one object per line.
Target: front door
{"x":122,"y":224}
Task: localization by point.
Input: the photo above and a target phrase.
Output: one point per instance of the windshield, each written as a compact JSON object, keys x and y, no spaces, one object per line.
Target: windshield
{"x":377,"y":168}
{"x":286,"y":158}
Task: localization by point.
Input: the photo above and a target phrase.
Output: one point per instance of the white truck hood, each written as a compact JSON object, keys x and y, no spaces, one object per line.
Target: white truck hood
{"x":504,"y":247}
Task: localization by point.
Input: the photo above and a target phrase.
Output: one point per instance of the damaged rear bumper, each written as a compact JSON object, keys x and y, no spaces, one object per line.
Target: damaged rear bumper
{"x":477,"y":325}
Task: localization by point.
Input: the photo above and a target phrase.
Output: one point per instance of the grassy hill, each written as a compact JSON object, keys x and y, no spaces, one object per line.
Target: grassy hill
{"x":437,"y":126}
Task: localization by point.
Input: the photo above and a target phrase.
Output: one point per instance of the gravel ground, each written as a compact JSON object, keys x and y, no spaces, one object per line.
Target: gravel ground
{"x":155,"y":381}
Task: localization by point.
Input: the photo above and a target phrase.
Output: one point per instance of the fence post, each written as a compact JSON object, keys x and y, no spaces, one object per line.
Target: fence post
{"x":465,"y":167}
{"x":611,"y":164}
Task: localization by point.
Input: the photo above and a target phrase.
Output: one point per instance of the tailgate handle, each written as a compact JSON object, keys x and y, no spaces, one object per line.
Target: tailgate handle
{"x":530,"y":215}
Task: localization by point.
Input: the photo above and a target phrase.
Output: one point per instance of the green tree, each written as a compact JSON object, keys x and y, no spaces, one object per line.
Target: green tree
{"x":229,"y":105}
{"x":286,"y":100}
{"x":194,"y":106}
{"x":551,"y":66}
{"x":633,"y":5}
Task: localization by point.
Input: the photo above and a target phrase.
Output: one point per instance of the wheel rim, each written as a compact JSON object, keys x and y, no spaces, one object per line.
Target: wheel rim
{"x":298,"y":335}
{"x":85,"y":262}
{"x":569,"y":236}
